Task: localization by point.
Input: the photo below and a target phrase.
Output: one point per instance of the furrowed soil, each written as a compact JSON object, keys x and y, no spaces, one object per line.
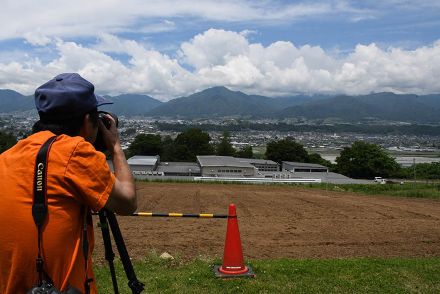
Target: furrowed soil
{"x":279,"y":222}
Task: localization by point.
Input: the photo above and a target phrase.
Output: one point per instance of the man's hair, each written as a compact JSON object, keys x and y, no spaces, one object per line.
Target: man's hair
{"x":70,"y":127}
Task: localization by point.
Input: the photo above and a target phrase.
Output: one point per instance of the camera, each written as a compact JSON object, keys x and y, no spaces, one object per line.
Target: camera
{"x":48,"y":288}
{"x":99,"y":143}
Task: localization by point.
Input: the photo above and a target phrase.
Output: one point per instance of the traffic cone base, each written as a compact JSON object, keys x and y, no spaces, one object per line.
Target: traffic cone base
{"x":249,"y":273}
{"x":233,"y":269}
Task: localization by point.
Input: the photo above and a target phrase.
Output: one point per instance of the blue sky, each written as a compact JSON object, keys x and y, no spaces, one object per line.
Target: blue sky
{"x":167,"y":48}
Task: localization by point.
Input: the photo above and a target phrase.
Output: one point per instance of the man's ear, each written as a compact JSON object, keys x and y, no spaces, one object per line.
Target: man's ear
{"x":86,"y":118}
{"x":87,"y":131}
{"x":85,"y":123}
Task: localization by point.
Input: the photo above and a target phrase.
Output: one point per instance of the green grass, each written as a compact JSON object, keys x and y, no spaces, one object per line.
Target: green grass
{"x":417,"y":190}
{"x":418,"y":275}
{"x":365,"y":275}
{"x":259,"y":151}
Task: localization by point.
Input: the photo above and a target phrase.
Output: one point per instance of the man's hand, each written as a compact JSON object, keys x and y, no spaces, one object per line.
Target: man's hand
{"x":122,"y":199}
{"x":111,"y":135}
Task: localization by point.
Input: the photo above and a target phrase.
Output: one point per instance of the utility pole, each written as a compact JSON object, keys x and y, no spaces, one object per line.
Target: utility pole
{"x":414,"y":168}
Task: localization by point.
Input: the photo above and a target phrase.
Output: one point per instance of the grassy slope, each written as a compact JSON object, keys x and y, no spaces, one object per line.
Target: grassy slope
{"x":417,"y":190}
{"x":285,"y":276}
{"x":421,"y":275}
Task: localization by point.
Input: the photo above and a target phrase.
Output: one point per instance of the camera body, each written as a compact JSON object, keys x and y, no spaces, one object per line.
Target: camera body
{"x":48,"y":288}
{"x":99,"y":143}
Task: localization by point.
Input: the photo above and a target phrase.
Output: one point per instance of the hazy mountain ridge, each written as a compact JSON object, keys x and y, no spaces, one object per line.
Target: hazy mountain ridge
{"x":125,"y":104}
{"x":13,"y":101}
{"x":222,"y":102}
{"x":386,"y":106}
{"x":131,"y":104}
{"x":216,"y":102}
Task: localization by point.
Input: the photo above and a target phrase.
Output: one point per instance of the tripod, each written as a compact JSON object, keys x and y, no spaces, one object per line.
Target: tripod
{"x":107,"y":218}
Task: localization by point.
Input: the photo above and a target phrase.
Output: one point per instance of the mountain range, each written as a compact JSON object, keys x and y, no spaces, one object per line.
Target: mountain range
{"x":131,"y":104}
{"x":384,"y":106}
{"x":13,"y":101}
{"x":222,"y":102}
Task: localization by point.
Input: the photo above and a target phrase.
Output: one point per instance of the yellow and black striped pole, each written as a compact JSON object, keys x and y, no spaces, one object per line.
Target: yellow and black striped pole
{"x":176,"y":214}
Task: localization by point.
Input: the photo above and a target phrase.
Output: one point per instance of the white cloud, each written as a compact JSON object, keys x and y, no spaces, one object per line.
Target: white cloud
{"x":212,"y":48}
{"x":219,"y":57}
{"x":82,"y":18}
{"x":159,"y":27}
{"x":37,"y":38}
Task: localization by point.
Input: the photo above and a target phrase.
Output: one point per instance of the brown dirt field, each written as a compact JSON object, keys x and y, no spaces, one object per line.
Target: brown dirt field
{"x":278,"y":222}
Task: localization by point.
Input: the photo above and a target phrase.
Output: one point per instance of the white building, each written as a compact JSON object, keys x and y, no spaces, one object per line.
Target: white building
{"x":262,"y":164}
{"x":303,"y":167}
{"x":224,"y":166}
{"x":190,"y":169}
{"x":142,"y":166}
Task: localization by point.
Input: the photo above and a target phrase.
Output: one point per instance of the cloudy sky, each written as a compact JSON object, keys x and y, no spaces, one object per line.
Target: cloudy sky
{"x":168,"y":49}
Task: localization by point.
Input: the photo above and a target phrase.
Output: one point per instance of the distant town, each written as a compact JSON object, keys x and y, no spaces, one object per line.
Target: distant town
{"x":408,"y":149}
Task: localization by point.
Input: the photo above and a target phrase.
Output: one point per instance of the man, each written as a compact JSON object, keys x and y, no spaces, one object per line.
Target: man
{"x":78,"y":180}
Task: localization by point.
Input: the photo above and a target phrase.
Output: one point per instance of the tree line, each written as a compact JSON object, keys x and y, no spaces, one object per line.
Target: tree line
{"x":7,"y":140}
{"x":360,"y":160}
{"x":186,"y":146}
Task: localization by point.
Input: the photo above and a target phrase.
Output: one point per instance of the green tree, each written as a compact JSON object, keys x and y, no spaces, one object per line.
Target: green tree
{"x":192,"y":142}
{"x":365,"y":160}
{"x":423,"y":171}
{"x":145,"y":144}
{"x":286,"y":150}
{"x":246,"y":152}
{"x":168,"y":149}
{"x":224,"y":148}
{"x":316,"y":158}
{"x":6,"y":141}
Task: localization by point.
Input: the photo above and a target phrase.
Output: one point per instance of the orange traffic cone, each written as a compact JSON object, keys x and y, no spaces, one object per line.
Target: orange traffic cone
{"x":233,"y":264}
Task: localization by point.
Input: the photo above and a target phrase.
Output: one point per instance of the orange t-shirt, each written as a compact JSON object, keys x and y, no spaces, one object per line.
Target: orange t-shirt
{"x":77,"y":175}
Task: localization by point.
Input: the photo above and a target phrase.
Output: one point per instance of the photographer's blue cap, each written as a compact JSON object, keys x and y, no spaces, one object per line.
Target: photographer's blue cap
{"x":66,"y":96}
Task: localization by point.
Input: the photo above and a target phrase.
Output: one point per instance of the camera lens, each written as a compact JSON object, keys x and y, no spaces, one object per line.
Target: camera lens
{"x":99,"y":143}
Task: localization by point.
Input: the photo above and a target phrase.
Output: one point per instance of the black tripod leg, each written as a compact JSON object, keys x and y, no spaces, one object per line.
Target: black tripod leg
{"x":109,"y":254}
{"x":134,"y":284}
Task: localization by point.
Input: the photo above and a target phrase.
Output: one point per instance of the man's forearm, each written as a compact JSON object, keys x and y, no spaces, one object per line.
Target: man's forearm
{"x":121,"y":167}
{"x":123,"y":198}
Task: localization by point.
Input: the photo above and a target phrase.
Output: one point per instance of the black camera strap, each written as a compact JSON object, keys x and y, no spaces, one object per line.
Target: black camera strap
{"x":85,"y":245}
{"x":39,"y":212}
{"x":39,"y":207}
